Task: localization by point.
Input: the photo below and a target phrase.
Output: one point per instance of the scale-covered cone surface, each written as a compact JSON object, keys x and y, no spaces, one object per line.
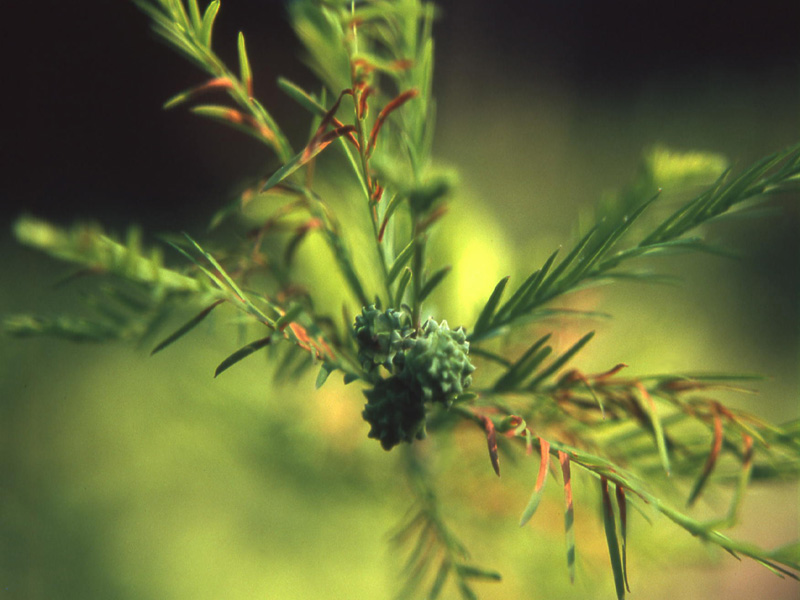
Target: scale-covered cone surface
{"x":380,"y":336}
{"x":438,"y":362}
{"x":395,"y":411}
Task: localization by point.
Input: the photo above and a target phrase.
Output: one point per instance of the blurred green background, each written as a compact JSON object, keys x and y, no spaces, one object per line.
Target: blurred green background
{"x":130,"y":477}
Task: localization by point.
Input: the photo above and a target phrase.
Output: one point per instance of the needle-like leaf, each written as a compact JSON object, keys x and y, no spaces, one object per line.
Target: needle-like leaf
{"x":611,"y":540}
{"x":433,"y":281}
{"x":488,"y":310}
{"x":242,"y":353}
{"x":569,"y":513}
{"x":186,"y":328}
{"x":245,"y":74}
{"x":541,"y":480}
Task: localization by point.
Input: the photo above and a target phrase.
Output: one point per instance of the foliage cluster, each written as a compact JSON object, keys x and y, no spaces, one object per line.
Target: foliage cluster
{"x":376,"y":108}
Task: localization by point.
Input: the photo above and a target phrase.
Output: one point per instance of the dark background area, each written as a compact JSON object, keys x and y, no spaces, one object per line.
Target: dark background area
{"x":85,"y":136}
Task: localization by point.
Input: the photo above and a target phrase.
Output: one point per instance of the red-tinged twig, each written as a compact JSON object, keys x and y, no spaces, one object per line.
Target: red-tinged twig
{"x":491,"y":440}
{"x":327,"y":119}
{"x":510,"y":425}
{"x":318,"y":144}
{"x":350,"y":137}
{"x":401,"y":64}
{"x":363,"y":106}
{"x":569,"y":514}
{"x":541,"y":480}
{"x":384,"y":114}
{"x":238,"y":118}
{"x":747,"y":459}
{"x":518,"y":428}
{"x":355,"y":23}
{"x":544,"y":448}
{"x":610,"y":373}
{"x":330,"y":115}
{"x":363,"y":65}
{"x":375,"y":197}
{"x":711,"y":461}
{"x":318,"y":346}
{"x":213,"y":84}
{"x":528,"y":442}
{"x":723,"y":410}
{"x":217,"y":83}
{"x":574,"y":376}
{"x":366,"y":67}
{"x":437,"y":214}
{"x":685,"y":385}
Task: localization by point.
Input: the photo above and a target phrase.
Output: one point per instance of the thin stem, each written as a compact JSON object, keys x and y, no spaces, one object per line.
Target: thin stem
{"x":416,"y":281}
{"x":360,"y":124}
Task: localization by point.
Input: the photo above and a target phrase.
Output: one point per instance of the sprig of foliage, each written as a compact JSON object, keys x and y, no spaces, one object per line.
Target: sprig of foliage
{"x":375,"y":61}
{"x":617,"y":421}
{"x":432,"y":544}
{"x":594,"y":257}
{"x":139,"y":294}
{"x":189,"y":30}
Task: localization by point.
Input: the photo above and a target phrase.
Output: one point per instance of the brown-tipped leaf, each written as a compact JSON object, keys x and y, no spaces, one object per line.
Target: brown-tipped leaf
{"x":283,"y":322}
{"x":218,"y":83}
{"x":313,"y":149}
{"x":320,"y":136}
{"x":711,"y":461}
{"x":398,"y":101}
{"x":541,"y":480}
{"x":491,"y":441}
{"x":569,"y":514}
{"x":239,"y":121}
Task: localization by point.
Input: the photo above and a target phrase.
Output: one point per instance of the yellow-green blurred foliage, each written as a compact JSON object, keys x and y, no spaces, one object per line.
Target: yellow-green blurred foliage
{"x":130,"y":477}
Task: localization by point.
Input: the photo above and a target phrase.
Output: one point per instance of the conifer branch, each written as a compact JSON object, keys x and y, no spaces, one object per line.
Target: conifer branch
{"x":595,"y":257}
{"x":375,"y":61}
